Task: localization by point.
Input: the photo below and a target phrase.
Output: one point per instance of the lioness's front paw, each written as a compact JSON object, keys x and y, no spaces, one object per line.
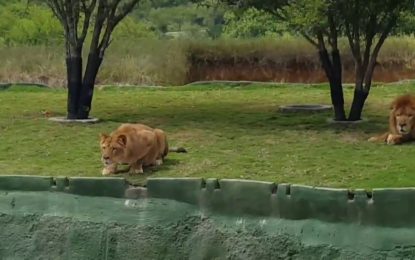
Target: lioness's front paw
{"x":107,"y":171}
{"x":159,"y":162}
{"x":137,"y":171}
{"x":392,"y":139}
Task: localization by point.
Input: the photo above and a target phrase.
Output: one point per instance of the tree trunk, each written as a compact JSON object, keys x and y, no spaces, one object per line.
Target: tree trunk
{"x":336,"y":91}
{"x":333,"y":72}
{"x":74,"y":75}
{"x":359,"y":98}
{"x":91,"y":71}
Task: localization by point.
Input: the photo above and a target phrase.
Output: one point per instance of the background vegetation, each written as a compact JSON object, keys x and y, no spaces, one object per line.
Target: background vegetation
{"x":161,"y":40}
{"x":167,"y":62}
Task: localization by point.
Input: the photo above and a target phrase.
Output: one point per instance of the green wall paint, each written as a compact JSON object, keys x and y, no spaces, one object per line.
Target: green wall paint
{"x":105,"y":218}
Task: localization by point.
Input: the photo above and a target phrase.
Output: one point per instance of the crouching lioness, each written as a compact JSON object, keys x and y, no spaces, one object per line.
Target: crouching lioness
{"x":137,"y":145}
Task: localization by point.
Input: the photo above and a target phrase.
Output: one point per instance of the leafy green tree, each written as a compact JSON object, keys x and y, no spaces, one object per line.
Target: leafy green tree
{"x":251,"y":23}
{"x":214,"y":22}
{"x":406,"y":24}
{"x":129,"y":28}
{"x":167,"y":3}
{"x":180,"y":18}
{"x":77,"y":18}
{"x":23,"y":24}
{"x":366,"y":24}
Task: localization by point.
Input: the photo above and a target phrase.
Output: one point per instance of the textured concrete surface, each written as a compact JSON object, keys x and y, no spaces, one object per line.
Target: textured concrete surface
{"x":105,"y":218}
{"x":380,"y":207}
{"x":51,"y":225}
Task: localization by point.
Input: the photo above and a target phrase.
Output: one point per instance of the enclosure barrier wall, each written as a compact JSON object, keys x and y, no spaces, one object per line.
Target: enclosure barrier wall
{"x":311,"y":218}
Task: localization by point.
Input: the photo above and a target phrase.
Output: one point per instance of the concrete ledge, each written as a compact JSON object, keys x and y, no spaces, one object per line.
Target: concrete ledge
{"x":59,"y":225}
{"x":303,"y":202}
{"x":310,"y":108}
{"x":232,"y":83}
{"x":180,"y":189}
{"x":114,"y":221}
{"x":109,"y":187}
{"x":136,"y":193}
{"x":335,"y":122}
{"x":64,"y":120}
{"x":25,"y":183}
{"x":29,"y":84}
{"x":393,"y":204}
{"x":380,"y":207}
{"x":238,"y":196}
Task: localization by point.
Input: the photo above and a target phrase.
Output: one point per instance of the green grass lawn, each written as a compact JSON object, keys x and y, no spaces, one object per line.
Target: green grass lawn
{"x":230,"y":132}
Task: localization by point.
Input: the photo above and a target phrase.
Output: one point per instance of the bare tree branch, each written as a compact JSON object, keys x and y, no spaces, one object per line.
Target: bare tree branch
{"x":67,"y":13}
{"x":309,"y":39}
{"x":333,"y":31}
{"x":320,"y":39}
{"x":356,"y":35}
{"x":75,"y":12}
{"x":371,"y":67}
{"x":124,"y":10}
{"x":115,"y":15}
{"x":110,"y":17}
{"x":370,"y":33}
{"x":87,"y":10}
{"x":57,"y":7}
{"x":350,"y":39}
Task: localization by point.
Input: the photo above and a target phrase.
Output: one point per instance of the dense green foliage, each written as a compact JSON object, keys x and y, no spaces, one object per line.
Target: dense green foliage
{"x":251,"y":23}
{"x":34,"y":24}
{"x":23,"y":24}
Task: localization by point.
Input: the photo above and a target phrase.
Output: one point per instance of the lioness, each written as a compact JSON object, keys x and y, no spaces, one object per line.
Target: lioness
{"x":401,"y":121}
{"x":137,"y":145}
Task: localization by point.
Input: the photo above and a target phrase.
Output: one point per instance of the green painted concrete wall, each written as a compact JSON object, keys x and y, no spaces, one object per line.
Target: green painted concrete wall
{"x":105,"y":218}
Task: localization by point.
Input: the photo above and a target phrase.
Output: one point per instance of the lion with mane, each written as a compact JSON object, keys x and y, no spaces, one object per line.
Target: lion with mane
{"x":401,"y":121}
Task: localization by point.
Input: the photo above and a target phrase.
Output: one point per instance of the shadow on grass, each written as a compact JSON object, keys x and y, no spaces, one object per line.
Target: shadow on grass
{"x":222,"y":118}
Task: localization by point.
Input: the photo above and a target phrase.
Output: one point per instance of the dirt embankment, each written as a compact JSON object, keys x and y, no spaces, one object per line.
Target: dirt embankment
{"x":292,"y":72}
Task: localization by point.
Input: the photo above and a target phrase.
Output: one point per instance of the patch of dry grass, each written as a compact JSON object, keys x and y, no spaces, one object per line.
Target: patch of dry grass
{"x":167,"y":62}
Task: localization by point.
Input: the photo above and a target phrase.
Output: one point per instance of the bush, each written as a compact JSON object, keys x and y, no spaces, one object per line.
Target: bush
{"x":250,"y":24}
{"x":23,"y":24}
{"x":131,"y":29}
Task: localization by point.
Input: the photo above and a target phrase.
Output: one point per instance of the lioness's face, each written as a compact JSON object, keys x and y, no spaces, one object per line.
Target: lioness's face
{"x":112,"y":148}
{"x":404,"y":118}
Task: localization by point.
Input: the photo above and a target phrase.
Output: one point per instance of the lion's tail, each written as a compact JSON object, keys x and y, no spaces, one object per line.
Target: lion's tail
{"x":379,"y":138}
{"x":168,"y":149}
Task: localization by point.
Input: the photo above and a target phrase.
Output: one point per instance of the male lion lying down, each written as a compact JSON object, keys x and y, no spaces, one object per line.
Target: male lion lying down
{"x":401,"y":122}
{"x":137,"y":145}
